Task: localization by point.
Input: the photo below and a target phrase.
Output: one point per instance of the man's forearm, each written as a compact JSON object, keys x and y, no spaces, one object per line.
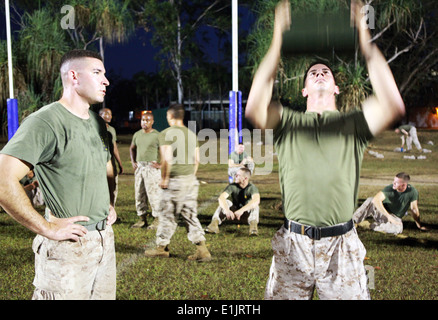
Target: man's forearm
{"x":260,"y":95}
{"x":16,"y":203}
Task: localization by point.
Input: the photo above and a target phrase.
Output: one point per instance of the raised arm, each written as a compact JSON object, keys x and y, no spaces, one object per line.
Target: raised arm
{"x":386,"y":106}
{"x":259,"y":110}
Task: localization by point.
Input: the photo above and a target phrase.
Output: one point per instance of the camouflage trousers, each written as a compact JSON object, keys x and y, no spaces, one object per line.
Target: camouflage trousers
{"x":179,"y":199}
{"x":332,"y":265}
{"x":412,"y":138}
{"x":247,"y":216}
{"x":147,"y":187}
{"x":68,"y":270}
{"x":381,"y":223}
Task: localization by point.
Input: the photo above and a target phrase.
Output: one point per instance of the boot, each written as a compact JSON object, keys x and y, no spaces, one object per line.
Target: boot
{"x":154,"y":225}
{"x":213,"y":227}
{"x":141,"y":223}
{"x":253,"y":228}
{"x":159,"y":251}
{"x":202,"y":254}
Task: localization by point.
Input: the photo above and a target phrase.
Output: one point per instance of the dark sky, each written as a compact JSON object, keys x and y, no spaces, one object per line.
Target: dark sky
{"x":138,"y":54}
{"x":129,"y":58}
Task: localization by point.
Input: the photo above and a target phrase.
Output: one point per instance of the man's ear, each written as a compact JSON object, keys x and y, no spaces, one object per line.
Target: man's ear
{"x":304,"y":92}
{"x":73,"y":75}
{"x":336,"y":90}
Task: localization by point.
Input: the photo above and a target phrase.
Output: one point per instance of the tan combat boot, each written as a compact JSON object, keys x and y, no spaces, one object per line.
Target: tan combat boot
{"x":253,"y":228}
{"x":159,"y":251}
{"x":213,"y":227}
{"x":141,"y":223}
{"x":154,"y":225}
{"x":202,"y":254}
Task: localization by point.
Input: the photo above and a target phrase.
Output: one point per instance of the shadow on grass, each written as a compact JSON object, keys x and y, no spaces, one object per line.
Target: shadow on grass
{"x":411,"y":242}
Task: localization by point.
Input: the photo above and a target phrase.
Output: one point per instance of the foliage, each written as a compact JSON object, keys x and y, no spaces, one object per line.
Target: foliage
{"x":42,"y":43}
{"x":110,"y":21}
{"x":405,"y":31}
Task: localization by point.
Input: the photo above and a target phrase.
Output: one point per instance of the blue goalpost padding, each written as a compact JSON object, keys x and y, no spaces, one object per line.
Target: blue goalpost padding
{"x":12,"y":117}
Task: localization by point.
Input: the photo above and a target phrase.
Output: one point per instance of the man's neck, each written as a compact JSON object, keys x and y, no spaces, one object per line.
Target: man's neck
{"x":77,"y":108}
{"x":321,"y":103}
{"x":177,"y":123}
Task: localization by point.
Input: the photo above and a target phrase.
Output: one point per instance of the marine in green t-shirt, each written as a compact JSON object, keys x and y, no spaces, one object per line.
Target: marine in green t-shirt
{"x":320,"y":153}
{"x":69,"y":156}
{"x":66,"y":144}
{"x":183,"y":146}
{"x":390,"y":205}
{"x":106,"y":115}
{"x":239,"y":201}
{"x":179,"y":151}
{"x":144,"y":158}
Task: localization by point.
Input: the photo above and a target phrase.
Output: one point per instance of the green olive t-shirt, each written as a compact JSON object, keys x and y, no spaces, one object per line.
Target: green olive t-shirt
{"x":399,"y":202}
{"x":146,"y":144}
{"x":69,"y":155}
{"x":319,"y":164}
{"x":241,"y":196}
{"x":184,"y":143}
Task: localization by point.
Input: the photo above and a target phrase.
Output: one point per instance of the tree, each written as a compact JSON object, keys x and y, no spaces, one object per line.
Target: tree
{"x":175,"y":24}
{"x":106,"y":21}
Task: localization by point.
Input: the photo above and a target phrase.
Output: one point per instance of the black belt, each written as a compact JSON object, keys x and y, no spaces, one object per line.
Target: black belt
{"x":317,"y":233}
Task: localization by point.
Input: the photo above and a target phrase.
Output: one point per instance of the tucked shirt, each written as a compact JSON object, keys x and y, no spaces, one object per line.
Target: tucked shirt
{"x":69,"y":156}
{"x":320,"y":157}
{"x":147,"y":145}
{"x":184,"y":143}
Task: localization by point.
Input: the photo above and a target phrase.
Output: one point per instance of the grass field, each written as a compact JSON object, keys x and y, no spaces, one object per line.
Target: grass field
{"x":403,"y":268}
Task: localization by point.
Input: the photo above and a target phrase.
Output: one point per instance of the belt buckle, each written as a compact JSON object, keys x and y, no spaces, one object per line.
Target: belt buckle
{"x":313,"y":232}
{"x":101,"y":225}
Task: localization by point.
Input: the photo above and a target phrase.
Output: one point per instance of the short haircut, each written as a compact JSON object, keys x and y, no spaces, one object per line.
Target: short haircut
{"x":403,"y":175}
{"x":79,"y":54}
{"x":246,"y":172}
{"x":315,"y":63}
{"x":177,"y":111}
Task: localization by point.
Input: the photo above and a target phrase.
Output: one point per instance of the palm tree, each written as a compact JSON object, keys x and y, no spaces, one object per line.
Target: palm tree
{"x":42,"y":44}
{"x":106,"y":21}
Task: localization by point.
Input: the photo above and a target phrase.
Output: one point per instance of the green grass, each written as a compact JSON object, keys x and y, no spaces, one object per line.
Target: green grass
{"x":404,"y":268}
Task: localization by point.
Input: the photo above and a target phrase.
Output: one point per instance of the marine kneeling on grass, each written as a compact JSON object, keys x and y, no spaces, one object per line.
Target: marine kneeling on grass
{"x":389,"y":206}
{"x":243,"y":206}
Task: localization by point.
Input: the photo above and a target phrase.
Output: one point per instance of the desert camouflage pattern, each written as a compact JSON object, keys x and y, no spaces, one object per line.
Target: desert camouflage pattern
{"x":247,"y":216}
{"x":68,"y":270}
{"x":147,"y":188}
{"x":333,"y":266}
{"x":180,"y":199}
{"x":381,"y":223}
